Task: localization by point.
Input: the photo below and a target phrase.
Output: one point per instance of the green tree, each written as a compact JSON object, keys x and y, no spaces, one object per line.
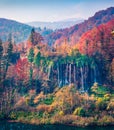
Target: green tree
{"x":31,"y":59}
{"x":37,"y":59}
{"x":32,"y":35}
{"x":79,"y":111}
{"x":8,"y":55}
{"x":31,"y":55}
{"x":101,"y":104}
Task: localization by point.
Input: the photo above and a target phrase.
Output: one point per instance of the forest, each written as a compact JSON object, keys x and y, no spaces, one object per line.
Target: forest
{"x":67,"y":82}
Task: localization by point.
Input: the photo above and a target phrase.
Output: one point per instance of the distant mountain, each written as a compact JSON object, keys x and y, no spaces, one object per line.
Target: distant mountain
{"x":19,"y":30}
{"x":73,"y":33}
{"x":56,"y":25}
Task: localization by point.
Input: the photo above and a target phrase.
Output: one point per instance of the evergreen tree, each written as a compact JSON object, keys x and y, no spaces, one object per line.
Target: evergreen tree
{"x":37,"y":59}
{"x":8,"y":55}
{"x":10,"y":47}
{"x":31,"y":55}
{"x":32,"y":35}
{"x":31,"y":59}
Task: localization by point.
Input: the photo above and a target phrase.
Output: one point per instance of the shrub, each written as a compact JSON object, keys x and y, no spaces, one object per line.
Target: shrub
{"x":61,"y":113}
{"x":12,"y":115}
{"x":27,"y":99}
{"x":2,"y":115}
{"x":110,"y":105}
{"x":106,"y":120}
{"x":107,"y":97}
{"x":48,"y":101}
{"x":39,"y":98}
{"x":45,"y":108}
{"x":79,"y":111}
{"x":94,"y":88}
{"x":101,"y":104}
{"x":66,"y":119}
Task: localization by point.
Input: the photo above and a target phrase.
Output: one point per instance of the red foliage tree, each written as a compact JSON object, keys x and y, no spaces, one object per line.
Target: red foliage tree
{"x":98,"y":39}
{"x":35,"y":38}
{"x":22,"y":70}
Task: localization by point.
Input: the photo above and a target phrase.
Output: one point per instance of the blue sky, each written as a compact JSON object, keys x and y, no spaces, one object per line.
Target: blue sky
{"x":51,"y":10}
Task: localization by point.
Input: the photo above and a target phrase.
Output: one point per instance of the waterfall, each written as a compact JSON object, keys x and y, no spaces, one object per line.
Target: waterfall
{"x":60,"y":81}
{"x":92,"y":80}
{"x":82,"y":76}
{"x":98,"y":75}
{"x":62,"y":74}
{"x":76,"y":77}
{"x":86,"y":77}
{"x":95,"y":76}
{"x":66,"y":75}
{"x":74,"y":74}
{"x":82,"y":79}
{"x":52,"y":69}
{"x":58,"y":73}
{"x":49,"y":71}
{"x":85,"y":73}
{"x":70,"y":73}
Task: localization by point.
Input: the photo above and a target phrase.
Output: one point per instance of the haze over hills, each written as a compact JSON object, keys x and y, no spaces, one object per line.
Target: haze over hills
{"x":21,"y":31}
{"x":57,"y":24}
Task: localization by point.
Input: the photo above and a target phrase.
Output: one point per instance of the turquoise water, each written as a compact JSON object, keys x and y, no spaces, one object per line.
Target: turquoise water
{"x":20,"y":126}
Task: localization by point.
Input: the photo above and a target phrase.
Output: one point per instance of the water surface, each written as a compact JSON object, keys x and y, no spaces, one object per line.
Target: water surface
{"x":21,"y":126}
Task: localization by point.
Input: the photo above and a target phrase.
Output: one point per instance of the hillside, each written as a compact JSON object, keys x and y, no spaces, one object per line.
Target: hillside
{"x":19,"y":31}
{"x":68,"y":83}
{"x":73,"y":33}
{"x":98,"y":39}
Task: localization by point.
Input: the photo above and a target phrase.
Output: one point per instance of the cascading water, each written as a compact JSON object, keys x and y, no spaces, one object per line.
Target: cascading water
{"x":82,"y":76}
{"x":60,"y":76}
{"x":82,"y":79}
{"x":70,"y":73}
{"x":66,"y":75}
{"x":79,"y":72}
{"x":95,"y":75}
{"x":58,"y":73}
{"x":74,"y":74}
{"x":86,"y":77}
{"x":49,"y":71}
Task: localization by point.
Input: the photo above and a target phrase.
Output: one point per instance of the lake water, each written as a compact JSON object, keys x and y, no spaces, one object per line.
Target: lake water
{"x":20,"y":126}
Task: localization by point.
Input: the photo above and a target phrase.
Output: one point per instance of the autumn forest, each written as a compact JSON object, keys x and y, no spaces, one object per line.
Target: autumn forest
{"x":62,"y":76}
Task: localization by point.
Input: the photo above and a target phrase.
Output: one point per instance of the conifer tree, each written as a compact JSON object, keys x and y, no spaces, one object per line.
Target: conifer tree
{"x":31,"y":55}
{"x":31,"y":59}
{"x":8,"y":55}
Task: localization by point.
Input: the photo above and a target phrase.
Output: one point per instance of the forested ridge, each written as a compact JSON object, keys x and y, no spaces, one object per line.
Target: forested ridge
{"x":65,"y":81}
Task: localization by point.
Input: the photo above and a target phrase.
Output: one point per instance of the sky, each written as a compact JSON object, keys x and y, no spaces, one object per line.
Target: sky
{"x":51,"y":10}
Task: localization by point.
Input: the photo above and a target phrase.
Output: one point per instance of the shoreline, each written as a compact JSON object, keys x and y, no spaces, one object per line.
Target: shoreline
{"x":72,"y":125}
